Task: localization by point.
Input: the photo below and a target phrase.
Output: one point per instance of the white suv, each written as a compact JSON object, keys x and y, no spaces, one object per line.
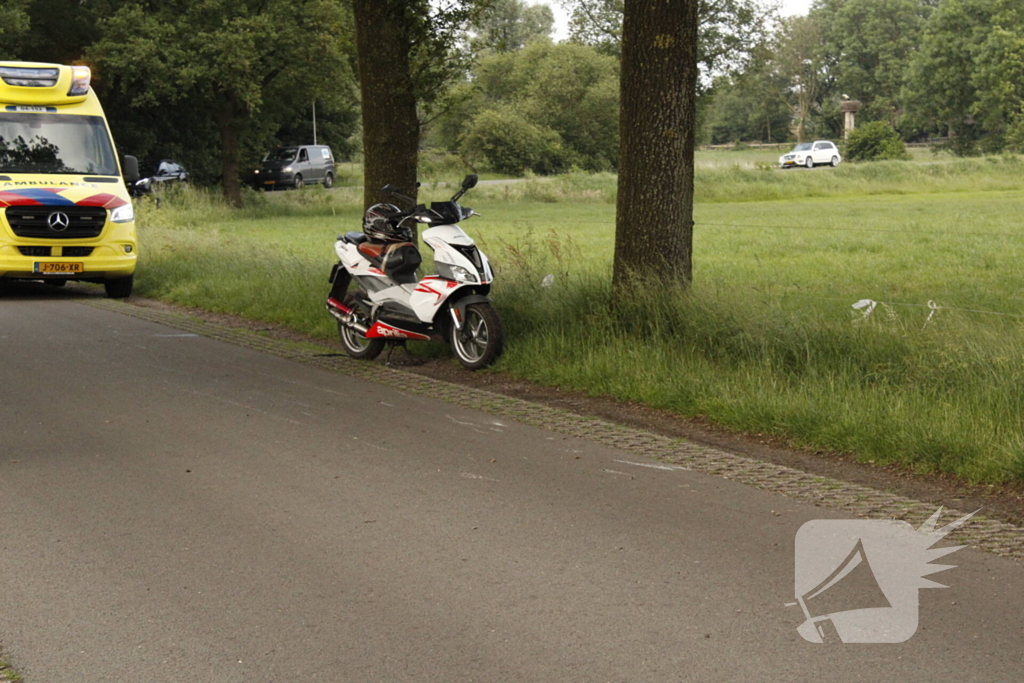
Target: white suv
{"x":811,"y":154}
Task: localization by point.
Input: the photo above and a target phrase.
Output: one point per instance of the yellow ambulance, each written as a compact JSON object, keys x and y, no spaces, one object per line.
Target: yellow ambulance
{"x":65,"y":211}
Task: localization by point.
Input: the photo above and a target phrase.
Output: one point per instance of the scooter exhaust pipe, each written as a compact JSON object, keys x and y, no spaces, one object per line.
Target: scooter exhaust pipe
{"x":347,"y":319}
{"x":361,"y":329}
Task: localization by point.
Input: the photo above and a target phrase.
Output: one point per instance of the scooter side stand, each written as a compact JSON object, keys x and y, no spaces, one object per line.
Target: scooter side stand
{"x":410,"y":359}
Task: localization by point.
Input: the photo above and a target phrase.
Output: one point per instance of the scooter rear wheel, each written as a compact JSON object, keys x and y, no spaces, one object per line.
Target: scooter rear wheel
{"x":481,"y":339}
{"x":355,"y":343}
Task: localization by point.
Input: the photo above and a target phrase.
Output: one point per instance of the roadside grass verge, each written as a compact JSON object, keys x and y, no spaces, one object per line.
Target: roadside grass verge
{"x":765,"y":341}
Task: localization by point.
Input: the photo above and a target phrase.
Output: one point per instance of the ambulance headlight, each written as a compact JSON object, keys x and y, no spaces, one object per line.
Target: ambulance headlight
{"x":80,"y":77}
{"x":122,"y":214}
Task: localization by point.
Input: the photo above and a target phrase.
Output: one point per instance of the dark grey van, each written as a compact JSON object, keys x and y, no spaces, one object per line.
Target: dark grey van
{"x":295,"y":166}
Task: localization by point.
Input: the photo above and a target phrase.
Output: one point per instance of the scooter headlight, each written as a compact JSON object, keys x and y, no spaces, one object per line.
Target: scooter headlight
{"x":463,"y":275}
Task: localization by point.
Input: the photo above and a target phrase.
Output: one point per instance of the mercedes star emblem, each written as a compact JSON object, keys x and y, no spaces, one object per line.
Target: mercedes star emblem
{"x":58,"y":221}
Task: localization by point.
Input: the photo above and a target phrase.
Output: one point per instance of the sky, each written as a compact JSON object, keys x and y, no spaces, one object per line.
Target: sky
{"x":789,"y":8}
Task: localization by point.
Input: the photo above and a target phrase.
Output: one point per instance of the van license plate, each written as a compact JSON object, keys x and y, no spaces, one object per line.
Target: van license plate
{"x":59,"y":267}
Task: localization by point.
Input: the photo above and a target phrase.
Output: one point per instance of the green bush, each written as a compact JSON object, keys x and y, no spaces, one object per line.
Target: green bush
{"x":564,"y":98}
{"x":876,"y":141}
{"x":507,"y":142}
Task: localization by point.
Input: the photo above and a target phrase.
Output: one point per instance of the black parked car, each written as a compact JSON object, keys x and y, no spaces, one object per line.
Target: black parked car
{"x":165,"y":172}
{"x":295,"y":166}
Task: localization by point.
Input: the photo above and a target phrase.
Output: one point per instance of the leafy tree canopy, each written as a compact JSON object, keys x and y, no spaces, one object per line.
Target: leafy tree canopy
{"x":509,"y":25}
{"x":14,"y":25}
{"x":870,"y":43}
{"x":233,"y":64}
{"x":999,"y":76}
{"x":728,"y":30}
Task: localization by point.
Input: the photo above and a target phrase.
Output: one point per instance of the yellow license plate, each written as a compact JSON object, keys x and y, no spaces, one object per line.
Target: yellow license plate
{"x":60,"y":267}
{"x":269,"y":182}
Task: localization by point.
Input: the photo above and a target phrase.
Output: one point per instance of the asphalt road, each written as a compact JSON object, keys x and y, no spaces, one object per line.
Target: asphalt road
{"x":174,"y":508}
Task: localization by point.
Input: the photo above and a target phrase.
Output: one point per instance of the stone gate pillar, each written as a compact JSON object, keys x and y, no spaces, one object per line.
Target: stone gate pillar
{"x":849,"y":109}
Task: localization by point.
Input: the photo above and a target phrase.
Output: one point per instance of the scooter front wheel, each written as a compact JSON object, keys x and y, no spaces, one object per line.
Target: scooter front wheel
{"x":480,"y":340}
{"x":355,"y":343}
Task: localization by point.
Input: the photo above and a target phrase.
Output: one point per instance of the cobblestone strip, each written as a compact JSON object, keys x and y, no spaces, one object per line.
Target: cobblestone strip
{"x":988,"y":534}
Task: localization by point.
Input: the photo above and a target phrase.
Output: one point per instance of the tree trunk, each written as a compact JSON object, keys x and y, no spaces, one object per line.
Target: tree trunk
{"x":654,"y":215}
{"x":391,"y":128}
{"x":227,"y":125}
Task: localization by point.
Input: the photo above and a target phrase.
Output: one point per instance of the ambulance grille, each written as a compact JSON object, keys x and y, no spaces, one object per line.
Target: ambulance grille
{"x":35,"y":221}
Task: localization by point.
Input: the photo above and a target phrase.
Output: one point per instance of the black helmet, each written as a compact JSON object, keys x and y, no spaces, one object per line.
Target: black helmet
{"x":380,"y":222}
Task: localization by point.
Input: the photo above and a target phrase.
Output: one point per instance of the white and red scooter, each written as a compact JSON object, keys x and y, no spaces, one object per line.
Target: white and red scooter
{"x":389,"y":303}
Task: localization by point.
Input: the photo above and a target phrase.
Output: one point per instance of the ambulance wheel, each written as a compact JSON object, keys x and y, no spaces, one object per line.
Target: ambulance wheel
{"x":120,"y":288}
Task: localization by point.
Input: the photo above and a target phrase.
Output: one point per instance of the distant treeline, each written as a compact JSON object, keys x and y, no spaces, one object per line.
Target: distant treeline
{"x":930,"y":68}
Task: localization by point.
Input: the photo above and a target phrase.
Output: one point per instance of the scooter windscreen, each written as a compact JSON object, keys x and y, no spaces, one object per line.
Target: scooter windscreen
{"x":449,"y":212}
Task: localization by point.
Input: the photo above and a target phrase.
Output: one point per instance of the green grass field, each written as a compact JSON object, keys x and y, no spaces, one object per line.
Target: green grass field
{"x":765,"y":341}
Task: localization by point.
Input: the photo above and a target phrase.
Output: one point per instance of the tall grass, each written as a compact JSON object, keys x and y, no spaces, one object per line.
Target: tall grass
{"x":941,"y":398}
{"x":764,"y":341}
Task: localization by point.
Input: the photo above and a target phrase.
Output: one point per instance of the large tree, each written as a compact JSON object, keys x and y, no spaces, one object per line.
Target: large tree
{"x":654,"y":215}
{"x":14,"y":25}
{"x":999,"y":77}
{"x":509,"y":25}
{"x":408,"y":56}
{"x":798,"y":59}
{"x":728,"y":30}
{"x":385,"y":33}
{"x":870,"y":44}
{"x":61,"y":30}
{"x":224,"y":61}
{"x":753,"y":105}
{"x":940,"y":91}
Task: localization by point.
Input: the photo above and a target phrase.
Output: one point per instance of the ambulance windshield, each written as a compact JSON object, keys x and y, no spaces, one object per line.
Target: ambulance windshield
{"x":55,"y":143}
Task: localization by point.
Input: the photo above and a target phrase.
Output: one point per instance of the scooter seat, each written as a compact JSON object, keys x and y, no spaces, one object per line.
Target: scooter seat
{"x":354,"y":237}
{"x":399,"y":260}
{"x":372,"y":250}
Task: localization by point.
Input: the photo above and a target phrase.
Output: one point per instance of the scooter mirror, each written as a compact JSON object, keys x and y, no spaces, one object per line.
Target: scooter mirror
{"x":470,"y":181}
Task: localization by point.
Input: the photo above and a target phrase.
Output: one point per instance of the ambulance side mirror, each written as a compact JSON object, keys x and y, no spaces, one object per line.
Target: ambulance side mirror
{"x":130,"y":169}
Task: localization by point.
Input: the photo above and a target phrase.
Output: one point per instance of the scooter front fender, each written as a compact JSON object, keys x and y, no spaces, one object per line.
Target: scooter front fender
{"x":460,"y":303}
{"x":457,"y":307}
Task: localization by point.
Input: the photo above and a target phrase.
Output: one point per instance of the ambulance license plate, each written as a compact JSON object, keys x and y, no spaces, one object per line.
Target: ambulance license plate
{"x":64,"y":267}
